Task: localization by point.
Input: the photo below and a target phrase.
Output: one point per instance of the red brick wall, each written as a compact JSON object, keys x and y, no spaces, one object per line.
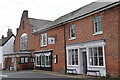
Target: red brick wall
{"x":28,"y":30}
{"x":119,"y":38}
{"x":58,"y":47}
{"x":85,"y":29}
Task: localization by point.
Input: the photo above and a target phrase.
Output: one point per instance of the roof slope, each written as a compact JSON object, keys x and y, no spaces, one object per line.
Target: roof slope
{"x":37,"y":23}
{"x":77,"y":14}
{"x":4,"y":40}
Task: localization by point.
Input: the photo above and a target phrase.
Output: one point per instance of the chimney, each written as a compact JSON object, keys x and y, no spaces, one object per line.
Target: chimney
{"x":3,"y":37}
{"x":25,"y":13}
{"x":9,"y":33}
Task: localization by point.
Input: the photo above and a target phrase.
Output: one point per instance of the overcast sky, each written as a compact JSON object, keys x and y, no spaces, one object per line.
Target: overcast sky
{"x":11,"y":11}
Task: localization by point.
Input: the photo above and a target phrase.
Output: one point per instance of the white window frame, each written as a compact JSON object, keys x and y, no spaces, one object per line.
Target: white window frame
{"x":71,"y":37}
{"x":40,"y":58}
{"x":70,"y":57}
{"x":42,"y":41}
{"x":37,"y":61}
{"x":99,"y":21}
{"x":97,"y":57}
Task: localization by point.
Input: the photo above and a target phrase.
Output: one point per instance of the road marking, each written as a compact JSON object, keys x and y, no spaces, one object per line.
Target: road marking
{"x":3,"y":75}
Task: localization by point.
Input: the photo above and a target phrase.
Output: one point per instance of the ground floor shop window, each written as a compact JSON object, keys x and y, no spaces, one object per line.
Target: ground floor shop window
{"x":43,"y":60}
{"x":24,"y":60}
{"x":73,"y":57}
{"x":32,"y":59}
{"x":96,"y":56}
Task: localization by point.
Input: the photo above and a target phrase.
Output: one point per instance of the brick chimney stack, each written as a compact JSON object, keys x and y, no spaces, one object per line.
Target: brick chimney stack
{"x":3,"y":37}
{"x":9,"y":33}
{"x":25,"y":13}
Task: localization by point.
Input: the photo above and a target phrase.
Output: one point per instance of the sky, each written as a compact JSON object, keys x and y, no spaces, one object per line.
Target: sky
{"x":11,"y":11}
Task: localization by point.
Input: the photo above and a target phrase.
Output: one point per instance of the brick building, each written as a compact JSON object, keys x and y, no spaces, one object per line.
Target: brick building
{"x":25,"y":41}
{"x":86,"y":40}
{"x":90,"y":36}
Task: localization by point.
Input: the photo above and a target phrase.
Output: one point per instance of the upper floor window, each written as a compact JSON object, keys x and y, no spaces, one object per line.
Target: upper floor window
{"x":23,"y":42}
{"x":43,"y":39}
{"x":72,"y":31}
{"x":98,"y":24}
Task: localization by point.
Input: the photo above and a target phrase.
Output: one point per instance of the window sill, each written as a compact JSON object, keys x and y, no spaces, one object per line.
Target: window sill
{"x":43,"y":46}
{"x":98,"y":33}
{"x":96,"y":66}
{"x":72,"y":38}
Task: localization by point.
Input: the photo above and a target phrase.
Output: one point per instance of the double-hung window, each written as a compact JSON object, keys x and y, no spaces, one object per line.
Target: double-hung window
{"x":72,"y":31}
{"x":73,"y":57}
{"x":43,"y":39}
{"x":97,"y":24}
{"x":96,"y":56}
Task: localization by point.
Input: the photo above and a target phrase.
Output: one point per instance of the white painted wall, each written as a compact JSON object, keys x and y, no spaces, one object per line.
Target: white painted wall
{"x":8,"y":48}
{"x":1,"y":55}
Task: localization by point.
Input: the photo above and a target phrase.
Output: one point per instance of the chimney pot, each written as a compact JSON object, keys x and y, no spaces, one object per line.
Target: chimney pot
{"x":25,"y":13}
{"x":9,"y":33}
{"x":3,"y":37}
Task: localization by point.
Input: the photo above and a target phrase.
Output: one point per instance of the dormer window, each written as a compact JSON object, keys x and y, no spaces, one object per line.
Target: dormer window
{"x":23,"y":42}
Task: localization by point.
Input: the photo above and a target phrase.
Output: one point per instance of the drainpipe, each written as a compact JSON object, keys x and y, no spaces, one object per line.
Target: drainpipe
{"x":65,"y":49}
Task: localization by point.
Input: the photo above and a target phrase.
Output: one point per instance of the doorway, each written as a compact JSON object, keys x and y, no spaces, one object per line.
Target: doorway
{"x":84,"y":62}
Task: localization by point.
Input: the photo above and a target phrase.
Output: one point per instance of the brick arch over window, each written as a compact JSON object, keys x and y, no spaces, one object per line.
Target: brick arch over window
{"x":23,"y":42}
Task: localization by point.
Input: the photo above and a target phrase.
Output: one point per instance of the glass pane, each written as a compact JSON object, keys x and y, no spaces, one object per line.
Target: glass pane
{"x":69,"y":57}
{"x":100,"y":51}
{"x":76,"y":56}
{"x":43,"y":60}
{"x":90,"y":52}
{"x":47,"y":61}
{"x":91,"y":61}
{"x":22,"y":60}
{"x":38,"y":60}
{"x":95,"y":61}
{"x":73,"y":62}
{"x":95,"y":51}
{"x":26,"y":59}
{"x":100,"y":61}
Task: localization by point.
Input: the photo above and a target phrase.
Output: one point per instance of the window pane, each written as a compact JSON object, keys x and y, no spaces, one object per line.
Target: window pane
{"x":73,"y":62}
{"x":69,"y":57}
{"x":76,"y":56}
{"x":100,"y":51}
{"x":95,"y":51}
{"x":48,"y":60}
{"x":72,"y":30}
{"x":26,"y":59}
{"x":38,"y":60}
{"x":95,"y":61}
{"x":90,"y":60}
{"x":98,"y":23}
{"x":90,"y":52}
{"x":31,"y":59}
{"x":43,"y":60}
{"x":100,"y":61}
{"x":22,"y":59}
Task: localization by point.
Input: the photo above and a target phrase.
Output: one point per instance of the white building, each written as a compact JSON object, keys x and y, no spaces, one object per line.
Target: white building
{"x":6,"y":46}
